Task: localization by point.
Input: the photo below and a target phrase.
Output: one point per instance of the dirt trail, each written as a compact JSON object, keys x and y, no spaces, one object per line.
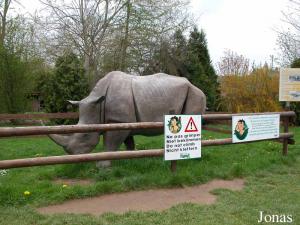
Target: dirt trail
{"x":158,"y":200}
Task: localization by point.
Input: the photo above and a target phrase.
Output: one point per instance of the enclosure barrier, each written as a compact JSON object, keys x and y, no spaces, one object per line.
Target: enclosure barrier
{"x":47,"y":116}
{"x":39,"y":116}
{"x":39,"y":161}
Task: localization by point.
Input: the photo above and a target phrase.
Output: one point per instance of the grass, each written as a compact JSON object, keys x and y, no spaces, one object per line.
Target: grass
{"x":273,"y":183}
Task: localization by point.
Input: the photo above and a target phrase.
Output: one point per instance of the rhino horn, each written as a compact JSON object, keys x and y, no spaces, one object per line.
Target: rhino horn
{"x":73,"y":102}
{"x":60,"y":139}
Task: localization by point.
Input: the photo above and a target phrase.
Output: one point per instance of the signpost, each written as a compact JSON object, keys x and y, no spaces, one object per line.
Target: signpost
{"x":182,"y":136}
{"x":258,"y":127}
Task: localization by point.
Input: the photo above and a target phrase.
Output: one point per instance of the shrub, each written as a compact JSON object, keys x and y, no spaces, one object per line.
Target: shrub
{"x":67,"y":82}
{"x":257,"y":92}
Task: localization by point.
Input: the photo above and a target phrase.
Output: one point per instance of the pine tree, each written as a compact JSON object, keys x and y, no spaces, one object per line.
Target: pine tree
{"x":170,"y":56}
{"x":201,"y":71}
{"x":188,"y":58}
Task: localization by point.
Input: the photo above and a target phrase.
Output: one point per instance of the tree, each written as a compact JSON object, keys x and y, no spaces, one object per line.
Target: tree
{"x":296,"y":63}
{"x":4,"y":7}
{"x":288,"y":40}
{"x":83,"y":26}
{"x":201,"y":71}
{"x":233,"y":64}
{"x":67,"y":82}
{"x":188,"y":58}
{"x":113,"y":35}
{"x":170,"y":56}
{"x":153,"y":24}
{"x":16,"y":60}
{"x":14,"y":82}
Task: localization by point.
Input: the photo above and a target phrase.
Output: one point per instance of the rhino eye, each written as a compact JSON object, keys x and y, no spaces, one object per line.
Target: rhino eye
{"x":86,"y":135}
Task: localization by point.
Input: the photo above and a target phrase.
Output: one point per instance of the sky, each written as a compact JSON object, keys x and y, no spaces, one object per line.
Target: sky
{"x":246,"y":27}
{"x":243,"y":26}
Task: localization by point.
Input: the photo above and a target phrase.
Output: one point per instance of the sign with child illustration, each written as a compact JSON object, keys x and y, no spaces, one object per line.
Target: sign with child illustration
{"x":257,"y":127}
{"x":182,"y":136}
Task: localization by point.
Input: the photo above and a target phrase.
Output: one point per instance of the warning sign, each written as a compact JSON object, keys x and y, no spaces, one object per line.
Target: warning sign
{"x":182,"y":136}
{"x":191,"y":126}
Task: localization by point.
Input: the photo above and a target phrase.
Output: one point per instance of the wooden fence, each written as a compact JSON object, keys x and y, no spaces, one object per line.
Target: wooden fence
{"x":39,"y":116}
{"x":285,"y":138}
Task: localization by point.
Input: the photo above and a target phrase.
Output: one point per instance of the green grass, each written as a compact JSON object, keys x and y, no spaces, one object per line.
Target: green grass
{"x":273,"y":183}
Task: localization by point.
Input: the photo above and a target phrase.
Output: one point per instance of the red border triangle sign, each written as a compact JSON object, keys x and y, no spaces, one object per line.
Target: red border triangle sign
{"x":191,"y":126}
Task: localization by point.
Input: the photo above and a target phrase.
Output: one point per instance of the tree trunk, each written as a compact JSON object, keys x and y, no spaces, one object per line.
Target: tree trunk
{"x":90,"y":68}
{"x":3,"y":21}
{"x":125,"y":41}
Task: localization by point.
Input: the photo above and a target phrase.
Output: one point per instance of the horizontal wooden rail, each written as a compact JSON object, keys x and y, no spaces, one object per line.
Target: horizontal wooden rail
{"x":65,"y":159}
{"x":67,"y":129}
{"x":42,"y":116}
{"x":74,"y":115}
{"x":229,"y":115}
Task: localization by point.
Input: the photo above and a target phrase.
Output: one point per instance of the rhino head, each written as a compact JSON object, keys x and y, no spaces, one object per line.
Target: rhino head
{"x":89,"y":113}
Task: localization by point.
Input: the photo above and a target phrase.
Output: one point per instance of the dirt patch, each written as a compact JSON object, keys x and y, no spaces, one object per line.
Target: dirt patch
{"x":72,"y":182}
{"x":157,"y":200}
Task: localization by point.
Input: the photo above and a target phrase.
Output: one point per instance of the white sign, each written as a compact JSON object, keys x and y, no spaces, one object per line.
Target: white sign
{"x":289,"y":85}
{"x":182,"y":137}
{"x":256,"y":127}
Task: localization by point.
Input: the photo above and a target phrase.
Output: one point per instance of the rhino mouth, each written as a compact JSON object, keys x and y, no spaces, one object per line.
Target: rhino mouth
{"x":78,"y":143}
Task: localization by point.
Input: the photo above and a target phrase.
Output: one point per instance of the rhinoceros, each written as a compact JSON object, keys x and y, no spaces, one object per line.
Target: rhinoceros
{"x":122,"y":98}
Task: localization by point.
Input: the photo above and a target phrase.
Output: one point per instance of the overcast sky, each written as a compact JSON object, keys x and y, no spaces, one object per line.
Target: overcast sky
{"x":244,"y":26}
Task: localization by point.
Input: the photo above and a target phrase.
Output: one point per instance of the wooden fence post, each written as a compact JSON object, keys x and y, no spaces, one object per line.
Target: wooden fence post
{"x":285,"y":129}
{"x":285,"y":140}
{"x":173,"y":166}
{"x":173,"y":162}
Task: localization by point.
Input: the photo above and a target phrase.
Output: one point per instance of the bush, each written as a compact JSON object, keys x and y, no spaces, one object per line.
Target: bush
{"x":66,"y":82}
{"x":257,"y":92}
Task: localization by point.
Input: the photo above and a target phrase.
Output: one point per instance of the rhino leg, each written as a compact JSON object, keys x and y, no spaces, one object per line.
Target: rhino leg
{"x":129,"y":142}
{"x":112,"y":141}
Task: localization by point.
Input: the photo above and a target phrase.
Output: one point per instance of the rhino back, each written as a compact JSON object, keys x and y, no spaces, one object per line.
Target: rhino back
{"x":119,"y":105}
{"x":157,"y":95}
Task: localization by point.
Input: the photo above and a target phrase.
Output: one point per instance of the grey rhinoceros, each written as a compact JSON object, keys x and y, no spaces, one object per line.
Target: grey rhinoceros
{"x":122,"y":98}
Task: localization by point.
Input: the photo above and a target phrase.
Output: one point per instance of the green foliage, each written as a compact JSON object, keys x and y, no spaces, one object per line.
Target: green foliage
{"x":67,"y":82}
{"x":188,"y":58}
{"x":201,"y":71}
{"x":296,"y":63}
{"x":14,"y":82}
{"x":20,"y":63}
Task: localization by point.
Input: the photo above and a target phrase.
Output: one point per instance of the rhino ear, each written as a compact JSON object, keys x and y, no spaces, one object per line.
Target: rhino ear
{"x":74,"y":102}
{"x":98,"y":100}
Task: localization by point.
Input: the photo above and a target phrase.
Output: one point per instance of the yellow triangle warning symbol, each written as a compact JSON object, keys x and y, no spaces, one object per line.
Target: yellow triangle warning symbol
{"x":191,"y":126}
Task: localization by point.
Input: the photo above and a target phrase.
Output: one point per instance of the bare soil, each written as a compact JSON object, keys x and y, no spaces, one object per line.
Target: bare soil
{"x":157,"y":200}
